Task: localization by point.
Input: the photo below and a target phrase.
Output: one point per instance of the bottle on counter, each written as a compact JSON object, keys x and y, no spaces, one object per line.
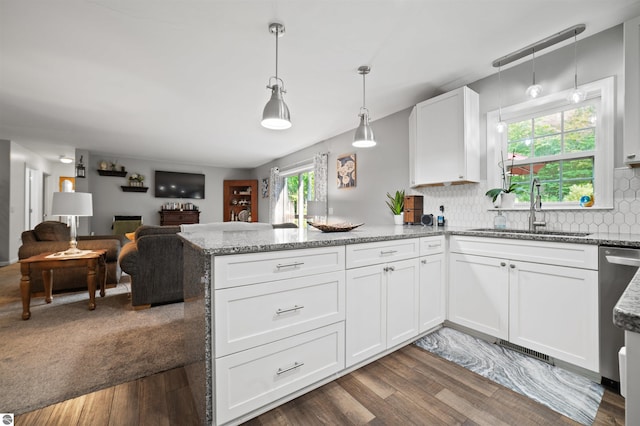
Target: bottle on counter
{"x":500,"y":221}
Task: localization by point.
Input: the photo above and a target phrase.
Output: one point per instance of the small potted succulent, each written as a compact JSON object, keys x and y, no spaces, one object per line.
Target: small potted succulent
{"x":396,"y":205}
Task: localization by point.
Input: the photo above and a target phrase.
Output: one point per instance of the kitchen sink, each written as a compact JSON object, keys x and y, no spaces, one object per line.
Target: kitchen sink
{"x":537,"y":232}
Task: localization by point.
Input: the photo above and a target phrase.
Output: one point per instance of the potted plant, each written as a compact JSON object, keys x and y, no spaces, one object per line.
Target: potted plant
{"x":396,"y":204}
{"x":507,"y":186}
{"x":136,"y":179}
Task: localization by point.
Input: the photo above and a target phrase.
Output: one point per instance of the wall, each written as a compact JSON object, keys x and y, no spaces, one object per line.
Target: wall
{"x":110,"y":200}
{"x":17,"y":160}
{"x":385,"y":167}
{"x":5,"y":205}
{"x":379,"y":170}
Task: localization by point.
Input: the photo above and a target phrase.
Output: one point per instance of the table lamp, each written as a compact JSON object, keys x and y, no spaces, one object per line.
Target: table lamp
{"x":72,"y":204}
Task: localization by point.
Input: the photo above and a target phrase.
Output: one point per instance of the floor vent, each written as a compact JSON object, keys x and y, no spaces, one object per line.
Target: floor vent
{"x":529,"y":352}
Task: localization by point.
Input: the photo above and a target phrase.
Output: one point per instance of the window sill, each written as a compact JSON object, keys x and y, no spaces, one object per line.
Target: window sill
{"x":553,"y":208}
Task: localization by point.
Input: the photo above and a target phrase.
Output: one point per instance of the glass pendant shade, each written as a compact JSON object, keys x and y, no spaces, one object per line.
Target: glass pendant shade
{"x":276,"y":112}
{"x":501,"y":127}
{"x":576,"y":95}
{"x":534,"y":91}
{"x":364,"y":133}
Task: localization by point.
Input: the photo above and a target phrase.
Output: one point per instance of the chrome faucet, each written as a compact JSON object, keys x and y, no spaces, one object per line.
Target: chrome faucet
{"x":535,"y":206}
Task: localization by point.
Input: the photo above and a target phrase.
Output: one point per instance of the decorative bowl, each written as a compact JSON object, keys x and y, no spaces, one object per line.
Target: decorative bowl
{"x":335,"y":227}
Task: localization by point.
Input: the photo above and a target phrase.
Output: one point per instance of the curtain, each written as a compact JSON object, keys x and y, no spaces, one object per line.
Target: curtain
{"x":275,"y":195}
{"x":320,"y":170}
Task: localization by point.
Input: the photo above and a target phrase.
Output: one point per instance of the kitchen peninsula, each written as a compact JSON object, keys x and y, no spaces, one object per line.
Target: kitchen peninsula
{"x":272,"y":314}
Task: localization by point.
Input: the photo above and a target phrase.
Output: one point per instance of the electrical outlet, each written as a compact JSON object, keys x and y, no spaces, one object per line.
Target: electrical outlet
{"x":330,"y":210}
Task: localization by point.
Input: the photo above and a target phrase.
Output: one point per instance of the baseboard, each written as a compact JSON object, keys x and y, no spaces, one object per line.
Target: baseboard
{"x":8,"y":262}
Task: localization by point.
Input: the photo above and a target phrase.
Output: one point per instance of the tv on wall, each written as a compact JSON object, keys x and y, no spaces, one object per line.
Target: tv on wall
{"x":179,"y":185}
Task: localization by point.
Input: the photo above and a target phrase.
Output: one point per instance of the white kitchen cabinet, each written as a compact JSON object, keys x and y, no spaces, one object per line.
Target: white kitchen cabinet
{"x":541,"y":305}
{"x":479,"y":293}
{"x":277,"y":326}
{"x":432,"y":282}
{"x":382,"y":286}
{"x":382,"y":308}
{"x":631,"y":139}
{"x":444,"y":139}
{"x":554,"y":310}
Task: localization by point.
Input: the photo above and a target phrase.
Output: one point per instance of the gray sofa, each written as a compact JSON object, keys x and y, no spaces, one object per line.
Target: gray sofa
{"x":154,"y":262}
{"x":52,"y":236}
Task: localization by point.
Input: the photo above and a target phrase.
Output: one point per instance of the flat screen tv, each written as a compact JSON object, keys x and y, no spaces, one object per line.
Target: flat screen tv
{"x":179,"y":185}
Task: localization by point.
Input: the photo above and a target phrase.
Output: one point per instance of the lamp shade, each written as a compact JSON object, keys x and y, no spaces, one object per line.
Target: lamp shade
{"x":276,"y":112}
{"x":72,"y":204}
{"x":363,"y":137}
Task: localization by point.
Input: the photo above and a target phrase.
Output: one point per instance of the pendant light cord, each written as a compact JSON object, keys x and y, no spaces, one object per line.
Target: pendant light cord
{"x":363,"y":91}
{"x":276,"y":33}
{"x":575,"y":59}
{"x":533,"y":62}
{"x":499,"y":93}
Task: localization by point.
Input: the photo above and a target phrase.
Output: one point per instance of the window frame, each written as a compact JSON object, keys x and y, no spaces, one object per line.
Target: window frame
{"x":603,"y":89}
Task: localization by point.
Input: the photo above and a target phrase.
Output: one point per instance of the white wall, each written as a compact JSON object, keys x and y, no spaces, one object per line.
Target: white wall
{"x":385,"y":167}
{"x":110,"y":200}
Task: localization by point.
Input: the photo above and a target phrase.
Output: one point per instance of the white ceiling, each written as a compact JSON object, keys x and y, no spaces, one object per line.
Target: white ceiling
{"x":184,"y":80}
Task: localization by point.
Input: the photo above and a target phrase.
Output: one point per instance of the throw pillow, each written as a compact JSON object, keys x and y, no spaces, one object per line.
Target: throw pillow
{"x":131,"y":236}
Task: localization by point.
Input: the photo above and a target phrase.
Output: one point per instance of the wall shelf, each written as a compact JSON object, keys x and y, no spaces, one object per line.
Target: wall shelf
{"x":112,"y":173}
{"x":134,"y":188}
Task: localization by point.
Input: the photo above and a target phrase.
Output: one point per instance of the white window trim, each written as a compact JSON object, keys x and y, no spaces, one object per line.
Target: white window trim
{"x":603,"y":165}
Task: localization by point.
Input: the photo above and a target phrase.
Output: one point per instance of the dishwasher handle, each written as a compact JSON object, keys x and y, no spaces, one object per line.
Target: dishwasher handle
{"x":621,"y":260}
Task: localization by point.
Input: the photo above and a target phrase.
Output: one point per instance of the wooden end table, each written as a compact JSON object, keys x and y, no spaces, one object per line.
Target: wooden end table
{"x":95,"y":261}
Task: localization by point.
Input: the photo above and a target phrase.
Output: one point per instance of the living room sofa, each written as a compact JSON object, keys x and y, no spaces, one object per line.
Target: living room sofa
{"x":154,"y":261}
{"x":53,"y":236}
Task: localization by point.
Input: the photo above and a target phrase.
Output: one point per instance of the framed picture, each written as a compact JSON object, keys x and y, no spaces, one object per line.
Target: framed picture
{"x":67,"y":184}
{"x":346,"y":169}
{"x":264,"y":188}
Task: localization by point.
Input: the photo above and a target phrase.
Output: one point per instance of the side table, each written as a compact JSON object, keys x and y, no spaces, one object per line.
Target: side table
{"x":94,"y":261}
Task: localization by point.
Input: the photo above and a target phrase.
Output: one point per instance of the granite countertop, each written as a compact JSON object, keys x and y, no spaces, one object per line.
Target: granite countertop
{"x":626,"y":312}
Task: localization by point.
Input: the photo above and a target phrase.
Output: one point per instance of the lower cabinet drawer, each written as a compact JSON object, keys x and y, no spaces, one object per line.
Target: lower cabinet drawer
{"x":248,"y":380}
{"x":253,"y":315}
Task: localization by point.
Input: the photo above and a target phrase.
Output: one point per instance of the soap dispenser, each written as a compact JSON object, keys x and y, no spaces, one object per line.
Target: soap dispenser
{"x":500,"y":221}
{"x":441,"y":217}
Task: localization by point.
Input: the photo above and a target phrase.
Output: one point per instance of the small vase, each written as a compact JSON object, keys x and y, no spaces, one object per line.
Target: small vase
{"x":398,"y":219}
{"x":507,"y":199}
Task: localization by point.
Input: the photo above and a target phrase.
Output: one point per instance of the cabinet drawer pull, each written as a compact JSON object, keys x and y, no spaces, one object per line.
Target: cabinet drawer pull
{"x":293,"y":367}
{"x":284,"y":311}
{"x":433,"y":245}
{"x":389,"y":269}
{"x":423,"y":261}
{"x":512,"y":266}
{"x":386,"y":252}
{"x":631,"y":156}
{"x":503,"y":264}
{"x":290,"y":265}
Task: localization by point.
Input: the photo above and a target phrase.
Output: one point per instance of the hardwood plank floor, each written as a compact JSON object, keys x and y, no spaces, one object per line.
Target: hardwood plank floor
{"x":408,"y":387}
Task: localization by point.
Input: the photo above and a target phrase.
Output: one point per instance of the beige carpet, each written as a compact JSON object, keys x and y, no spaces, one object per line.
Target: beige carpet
{"x":65,"y":350}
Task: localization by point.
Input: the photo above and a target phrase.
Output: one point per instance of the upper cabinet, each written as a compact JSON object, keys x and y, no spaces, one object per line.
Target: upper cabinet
{"x":632,"y":92}
{"x":444,"y":139}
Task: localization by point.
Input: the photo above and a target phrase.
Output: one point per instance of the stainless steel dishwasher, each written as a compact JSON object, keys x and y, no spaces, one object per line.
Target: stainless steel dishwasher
{"x":616,"y":268}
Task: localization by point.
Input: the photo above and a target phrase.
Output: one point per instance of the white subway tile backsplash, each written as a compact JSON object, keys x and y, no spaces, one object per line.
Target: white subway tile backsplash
{"x":467,"y":206}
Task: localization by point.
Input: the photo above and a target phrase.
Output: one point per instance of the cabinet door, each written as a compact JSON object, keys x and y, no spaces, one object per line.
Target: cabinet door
{"x":631,"y":139}
{"x":432,"y":294}
{"x":554,"y":310}
{"x":366,"y":315}
{"x":479,"y":293}
{"x":446,"y":135}
{"x":403,"y":301}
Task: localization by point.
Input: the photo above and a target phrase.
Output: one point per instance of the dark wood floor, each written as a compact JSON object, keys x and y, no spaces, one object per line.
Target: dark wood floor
{"x":410,"y":386}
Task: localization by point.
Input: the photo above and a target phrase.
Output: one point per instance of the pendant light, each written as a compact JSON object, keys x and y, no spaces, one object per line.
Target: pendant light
{"x":577,"y":95}
{"x":276,"y":112}
{"x":364,"y":134}
{"x":534,"y":90}
{"x":501,"y":126}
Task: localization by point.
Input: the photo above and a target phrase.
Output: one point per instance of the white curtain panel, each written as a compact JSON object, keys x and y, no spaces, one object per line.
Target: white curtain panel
{"x":321,"y":173}
{"x":275,"y":195}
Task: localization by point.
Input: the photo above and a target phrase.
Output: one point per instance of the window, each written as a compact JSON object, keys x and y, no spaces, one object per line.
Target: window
{"x":568,"y":147}
{"x":298,"y":189}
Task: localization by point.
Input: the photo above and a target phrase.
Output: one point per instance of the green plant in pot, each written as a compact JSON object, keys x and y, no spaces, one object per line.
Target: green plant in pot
{"x":396,"y":205}
{"x":507,"y":186}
